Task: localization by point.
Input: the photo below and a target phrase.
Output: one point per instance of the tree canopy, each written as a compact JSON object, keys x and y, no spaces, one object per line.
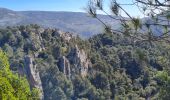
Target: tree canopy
{"x":13,"y":86}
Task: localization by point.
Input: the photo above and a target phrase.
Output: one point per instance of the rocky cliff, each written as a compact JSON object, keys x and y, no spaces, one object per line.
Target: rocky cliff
{"x":75,"y":62}
{"x":64,"y":66}
{"x":32,"y":74}
{"x":80,"y":61}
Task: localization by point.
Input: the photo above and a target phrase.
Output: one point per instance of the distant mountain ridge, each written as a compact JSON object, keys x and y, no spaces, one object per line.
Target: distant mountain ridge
{"x":75,"y":22}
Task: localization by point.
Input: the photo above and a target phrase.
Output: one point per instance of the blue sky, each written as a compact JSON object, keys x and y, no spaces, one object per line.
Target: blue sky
{"x":57,"y":5}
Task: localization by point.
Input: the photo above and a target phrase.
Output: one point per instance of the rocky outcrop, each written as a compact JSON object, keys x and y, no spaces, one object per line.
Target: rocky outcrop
{"x":65,"y":35}
{"x":64,"y":66}
{"x":33,"y":74}
{"x":40,"y":30}
{"x":77,"y":62}
{"x":81,"y":61}
{"x":36,"y":40}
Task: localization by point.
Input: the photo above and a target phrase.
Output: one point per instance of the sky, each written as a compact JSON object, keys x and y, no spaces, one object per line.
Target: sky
{"x":59,"y":5}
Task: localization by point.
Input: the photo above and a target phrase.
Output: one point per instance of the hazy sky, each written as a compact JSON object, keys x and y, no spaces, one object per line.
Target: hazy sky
{"x":57,"y":5}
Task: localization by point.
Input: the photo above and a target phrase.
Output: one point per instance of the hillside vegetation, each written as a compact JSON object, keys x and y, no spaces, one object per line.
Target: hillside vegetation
{"x":77,"y":22}
{"x":104,"y":67}
{"x":12,"y":86}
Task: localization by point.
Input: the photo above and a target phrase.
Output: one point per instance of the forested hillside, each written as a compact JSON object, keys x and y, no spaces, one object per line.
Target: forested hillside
{"x":107,"y":66}
{"x":77,"y":22}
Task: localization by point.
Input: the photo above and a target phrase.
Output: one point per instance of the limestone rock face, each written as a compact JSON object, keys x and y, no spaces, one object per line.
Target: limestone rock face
{"x":77,"y":62}
{"x":64,"y":66}
{"x":65,"y":35}
{"x":81,"y":61}
{"x":33,"y":74}
{"x":36,"y":41}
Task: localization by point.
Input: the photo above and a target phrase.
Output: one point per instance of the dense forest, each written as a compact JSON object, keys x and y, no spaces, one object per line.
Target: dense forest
{"x":107,"y":66}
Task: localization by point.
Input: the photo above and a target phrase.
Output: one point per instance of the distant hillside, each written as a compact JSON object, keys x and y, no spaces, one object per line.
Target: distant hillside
{"x":76,"y":22}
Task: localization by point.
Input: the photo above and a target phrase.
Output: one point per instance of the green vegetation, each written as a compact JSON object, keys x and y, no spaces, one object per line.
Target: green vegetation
{"x":12,"y":86}
{"x":164,"y":79}
{"x":120,"y":70}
